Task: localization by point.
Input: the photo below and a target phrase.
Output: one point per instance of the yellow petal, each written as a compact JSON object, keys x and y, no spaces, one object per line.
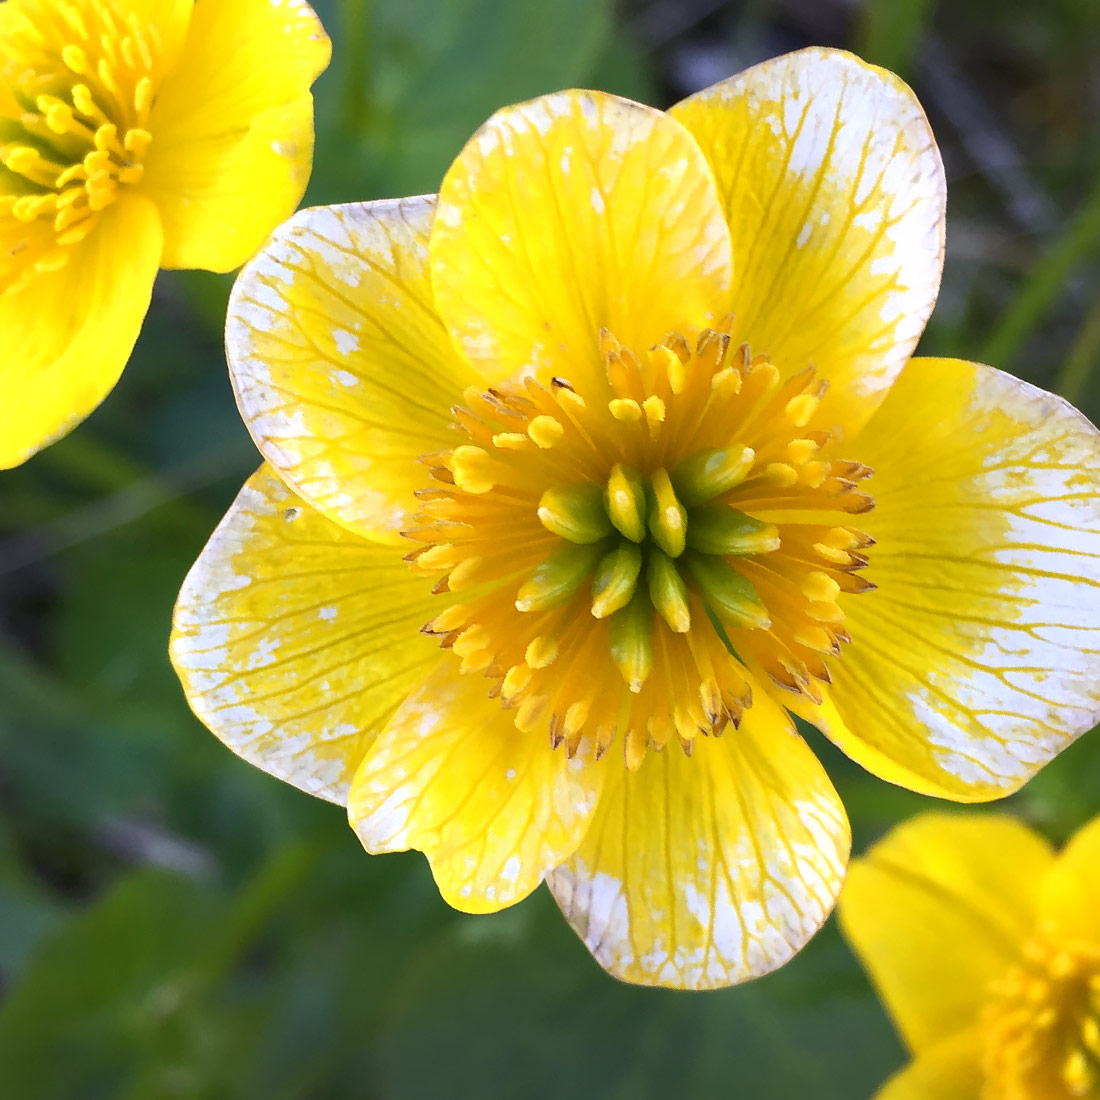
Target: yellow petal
{"x":978,"y":657}
{"x":569,"y":213}
{"x":1070,"y":899}
{"x":69,"y":333}
{"x":343,"y":371}
{"x":232,"y":129}
{"x":493,"y":809}
{"x":833,"y":186}
{"x":937,"y":910}
{"x":950,"y":1070}
{"x":295,"y":640}
{"x":705,"y":871}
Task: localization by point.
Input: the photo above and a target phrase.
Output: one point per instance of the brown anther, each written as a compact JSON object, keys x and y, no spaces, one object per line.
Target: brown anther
{"x":849,"y":582}
{"x":675,"y":342}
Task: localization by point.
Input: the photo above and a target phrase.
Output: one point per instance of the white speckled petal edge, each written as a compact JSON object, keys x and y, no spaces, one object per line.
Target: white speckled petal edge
{"x":343,"y":372}
{"x":295,"y":640}
{"x":978,"y":658}
{"x":493,"y":809}
{"x":703,"y":872}
{"x":571,"y":213}
{"x":835,"y":194}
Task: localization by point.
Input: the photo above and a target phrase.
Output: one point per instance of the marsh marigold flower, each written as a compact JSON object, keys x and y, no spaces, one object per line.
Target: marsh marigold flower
{"x":566,"y":510}
{"x":134,"y":135}
{"x":985,"y":947}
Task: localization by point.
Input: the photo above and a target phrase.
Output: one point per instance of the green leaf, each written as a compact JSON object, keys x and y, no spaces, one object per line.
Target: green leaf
{"x":513,"y":1005}
{"x":433,"y":73}
{"x":99,"y":995}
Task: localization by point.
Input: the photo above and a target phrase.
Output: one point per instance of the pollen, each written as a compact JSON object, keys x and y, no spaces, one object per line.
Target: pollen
{"x":1041,"y":1029}
{"x":77,"y":82}
{"x":622,"y":557}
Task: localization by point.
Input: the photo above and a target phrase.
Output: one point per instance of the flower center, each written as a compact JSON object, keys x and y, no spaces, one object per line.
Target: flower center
{"x":76,"y":87}
{"x":1042,"y":1028}
{"x":620,"y":557}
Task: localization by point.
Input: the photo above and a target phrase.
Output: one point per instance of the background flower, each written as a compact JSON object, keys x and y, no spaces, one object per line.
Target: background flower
{"x":226,"y":930}
{"x":985,"y":947}
{"x":134,"y":135}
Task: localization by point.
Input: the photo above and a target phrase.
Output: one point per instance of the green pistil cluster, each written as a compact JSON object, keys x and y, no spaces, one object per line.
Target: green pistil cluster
{"x":644,"y":544}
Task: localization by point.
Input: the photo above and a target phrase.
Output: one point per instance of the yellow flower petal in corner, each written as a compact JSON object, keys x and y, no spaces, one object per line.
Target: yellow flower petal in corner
{"x":950,"y":1070}
{"x":69,"y":332}
{"x":572,"y":213}
{"x":133,"y":134}
{"x":342,"y":369}
{"x":493,"y":808}
{"x":1070,"y":899}
{"x":232,"y":129}
{"x":938,"y":910}
{"x":835,"y":193}
{"x":705,"y":871}
{"x":975,"y":661}
{"x":295,"y":640}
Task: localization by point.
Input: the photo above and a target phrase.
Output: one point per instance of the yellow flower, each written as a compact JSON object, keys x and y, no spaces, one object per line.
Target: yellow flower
{"x":134,"y":135}
{"x":985,"y":947}
{"x":518,"y":422}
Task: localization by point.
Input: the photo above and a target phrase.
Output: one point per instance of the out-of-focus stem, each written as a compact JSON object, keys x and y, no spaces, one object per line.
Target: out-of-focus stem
{"x":355,"y":21}
{"x":1082,"y":358}
{"x":1047,"y":280}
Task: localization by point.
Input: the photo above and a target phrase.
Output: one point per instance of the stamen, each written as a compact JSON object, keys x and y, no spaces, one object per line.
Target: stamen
{"x":545,"y":431}
{"x":541,"y":652}
{"x":473,"y":469}
{"x":619,"y":549}
{"x":820,"y":587}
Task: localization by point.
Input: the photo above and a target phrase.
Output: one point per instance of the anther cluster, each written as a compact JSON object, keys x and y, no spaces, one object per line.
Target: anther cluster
{"x":622,"y":552}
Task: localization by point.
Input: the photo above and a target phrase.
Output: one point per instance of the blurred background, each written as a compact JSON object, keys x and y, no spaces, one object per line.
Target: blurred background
{"x":175,"y":924}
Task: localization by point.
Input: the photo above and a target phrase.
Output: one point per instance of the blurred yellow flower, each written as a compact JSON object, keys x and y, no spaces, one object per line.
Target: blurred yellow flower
{"x":597,"y":420}
{"x":134,"y":135}
{"x":985,"y":946}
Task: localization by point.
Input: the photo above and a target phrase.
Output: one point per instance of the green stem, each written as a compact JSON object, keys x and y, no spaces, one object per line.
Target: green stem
{"x":1082,"y":358}
{"x":1077,"y":241}
{"x":253,"y":908}
{"x":355,"y":20}
{"x":84,"y":459}
{"x":889,"y":32}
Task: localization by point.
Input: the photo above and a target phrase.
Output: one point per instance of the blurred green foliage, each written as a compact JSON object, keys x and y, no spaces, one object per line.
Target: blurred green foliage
{"x":176,"y":924}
